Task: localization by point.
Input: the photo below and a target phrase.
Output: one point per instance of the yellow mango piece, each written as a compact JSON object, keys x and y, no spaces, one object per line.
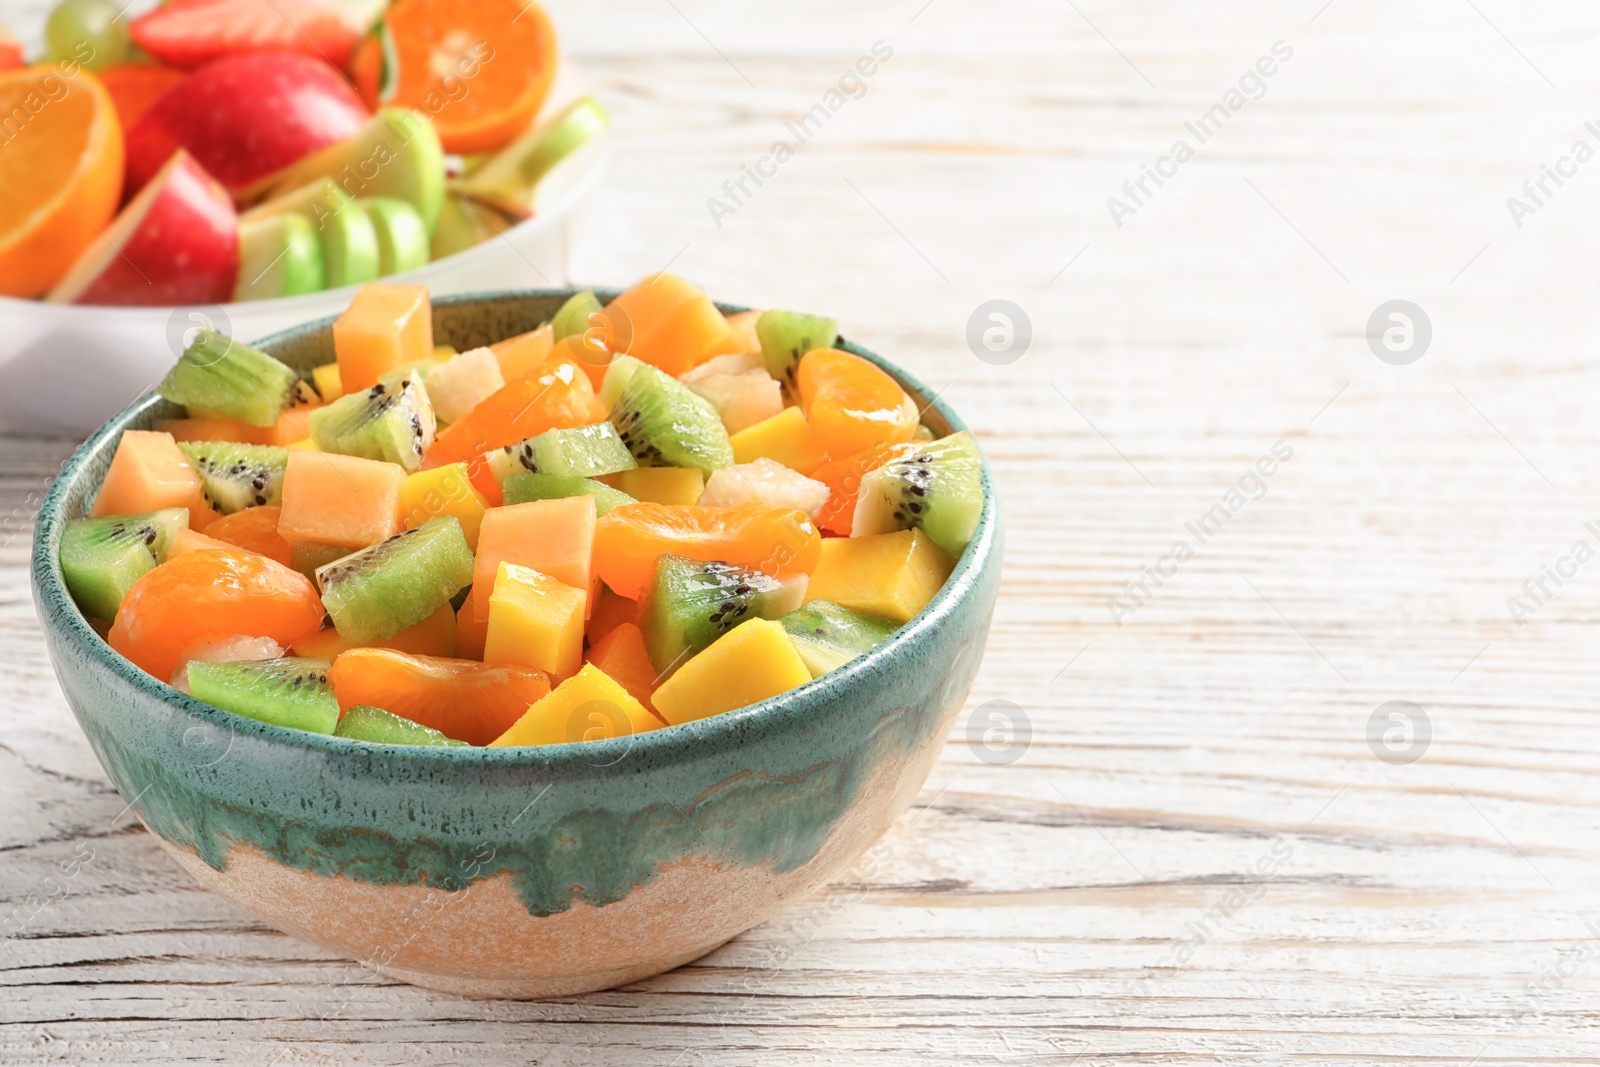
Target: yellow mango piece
{"x":326,"y":379}
{"x":662,"y":485}
{"x":444,"y":352}
{"x":586,"y":707}
{"x":751,"y":662}
{"x":893,"y":574}
{"x":443,"y":490}
{"x":305,"y":444}
{"x":385,"y":326}
{"x":786,"y":437}
{"x":535,"y":621}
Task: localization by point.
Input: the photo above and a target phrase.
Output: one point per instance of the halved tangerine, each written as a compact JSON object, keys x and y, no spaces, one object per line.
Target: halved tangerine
{"x":557,"y":397}
{"x":851,"y":404}
{"x":210,"y":594}
{"x":461,"y":698}
{"x":629,"y":538}
{"x":843,"y":479}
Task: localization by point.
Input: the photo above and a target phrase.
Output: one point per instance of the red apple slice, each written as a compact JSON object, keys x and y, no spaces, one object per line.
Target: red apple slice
{"x":177,"y":242}
{"x":244,"y":117}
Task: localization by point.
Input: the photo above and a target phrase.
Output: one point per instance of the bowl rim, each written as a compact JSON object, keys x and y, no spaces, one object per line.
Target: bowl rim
{"x":699,"y":737}
{"x":431,"y":272}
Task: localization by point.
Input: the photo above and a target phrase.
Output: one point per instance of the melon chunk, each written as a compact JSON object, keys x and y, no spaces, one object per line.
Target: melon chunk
{"x":524,"y":353}
{"x":893,"y":575}
{"x":743,"y":399}
{"x":149,"y":473}
{"x":535,"y":621}
{"x":385,"y":327}
{"x":586,"y":707}
{"x":340,"y":500}
{"x":753,"y":661}
{"x":554,"y":537}
{"x":463,"y":382}
{"x":670,"y":324}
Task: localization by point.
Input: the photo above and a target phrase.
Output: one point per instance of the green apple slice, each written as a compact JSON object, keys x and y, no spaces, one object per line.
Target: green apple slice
{"x":397,"y":154}
{"x":510,"y":178}
{"x":350,"y":253}
{"x":402,"y":235}
{"x":278,"y":256}
{"x":463,"y":223}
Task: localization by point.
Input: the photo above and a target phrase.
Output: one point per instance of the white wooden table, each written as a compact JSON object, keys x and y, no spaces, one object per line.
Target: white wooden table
{"x":1197,"y":857}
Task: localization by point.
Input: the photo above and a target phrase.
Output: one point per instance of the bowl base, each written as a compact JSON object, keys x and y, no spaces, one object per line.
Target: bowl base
{"x":538,"y":988}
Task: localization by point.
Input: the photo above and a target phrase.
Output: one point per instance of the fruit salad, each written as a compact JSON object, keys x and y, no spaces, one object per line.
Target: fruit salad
{"x":210,"y":151}
{"x":638,"y":515}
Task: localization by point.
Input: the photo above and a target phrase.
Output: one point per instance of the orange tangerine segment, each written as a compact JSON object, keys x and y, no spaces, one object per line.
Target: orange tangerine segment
{"x":255,"y":529}
{"x":61,"y":172}
{"x":843,"y":479}
{"x":210,"y":594}
{"x":851,"y":404}
{"x":480,"y":68}
{"x":558,"y":396}
{"x":629,"y":538}
{"x":469,"y":701}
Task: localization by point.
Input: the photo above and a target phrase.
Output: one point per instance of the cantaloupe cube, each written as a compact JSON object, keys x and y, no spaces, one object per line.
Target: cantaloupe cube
{"x":293,"y":425}
{"x":660,"y":485}
{"x":340,"y":500}
{"x":458,"y":386}
{"x":554,"y":537}
{"x":446,"y":490}
{"x":535,"y":621}
{"x":672,"y":324}
{"x":326,"y":379}
{"x":148,"y":473}
{"x":753,"y":661}
{"x":893,"y":574}
{"x":586,"y":707}
{"x":385,"y":326}
{"x":786,"y":437}
{"x":743,"y":327}
{"x":524,"y":353}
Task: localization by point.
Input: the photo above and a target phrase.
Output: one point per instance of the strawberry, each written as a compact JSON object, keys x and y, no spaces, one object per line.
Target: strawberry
{"x":191,"y":33}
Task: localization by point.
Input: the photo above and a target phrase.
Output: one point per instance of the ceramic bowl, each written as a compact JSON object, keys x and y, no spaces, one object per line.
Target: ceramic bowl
{"x":526,"y":872}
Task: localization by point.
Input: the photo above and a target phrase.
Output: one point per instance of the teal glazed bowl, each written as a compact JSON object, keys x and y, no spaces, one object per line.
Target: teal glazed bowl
{"x":527,"y":872}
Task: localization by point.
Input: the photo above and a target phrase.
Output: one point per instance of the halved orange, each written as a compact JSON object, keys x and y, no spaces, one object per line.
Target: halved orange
{"x":60,"y":173}
{"x":480,"y":69}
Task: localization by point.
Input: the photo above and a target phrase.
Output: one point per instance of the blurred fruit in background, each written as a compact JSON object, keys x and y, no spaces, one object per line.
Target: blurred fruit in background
{"x":244,"y":117}
{"x":267,"y":148}
{"x":61,"y":170}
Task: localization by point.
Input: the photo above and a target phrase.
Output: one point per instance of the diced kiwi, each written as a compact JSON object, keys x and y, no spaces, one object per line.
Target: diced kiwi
{"x":521,"y":488}
{"x":787,"y":335}
{"x":938,"y":488}
{"x":663,"y":423}
{"x":222,"y":375}
{"x":235,"y":476}
{"x":689,"y":604}
{"x":384,"y":588}
{"x":290,"y":691}
{"x":367,"y":723}
{"x":102,"y":557}
{"x":573,"y":318}
{"x":393,"y":421}
{"x":829,"y":635}
{"x":307,"y":556}
{"x":584,"y":452}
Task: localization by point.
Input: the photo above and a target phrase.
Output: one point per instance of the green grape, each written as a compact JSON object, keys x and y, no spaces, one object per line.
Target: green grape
{"x":88,"y":32}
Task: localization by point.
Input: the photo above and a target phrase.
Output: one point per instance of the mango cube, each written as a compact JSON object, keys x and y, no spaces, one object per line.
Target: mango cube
{"x":443,"y":490}
{"x":753,"y":661}
{"x":786,"y":437}
{"x":661,"y":485}
{"x":535,"y":621}
{"x":385,"y":326}
{"x":893,"y":574}
{"x":586,"y":707}
{"x":340,"y":500}
{"x":326,"y":379}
